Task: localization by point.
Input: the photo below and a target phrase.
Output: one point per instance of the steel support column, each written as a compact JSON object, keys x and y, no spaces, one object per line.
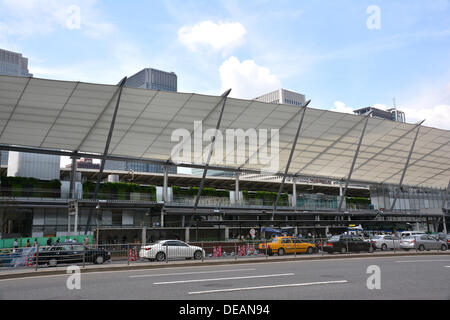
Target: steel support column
{"x":406,"y":167}
{"x":165,"y":184}
{"x":353,"y":162}
{"x":73,"y":173}
{"x":445,"y":207}
{"x":294,"y":193}
{"x":213,"y":140}
{"x":294,"y":144}
{"x":236,"y":189}
{"x":105,"y":153}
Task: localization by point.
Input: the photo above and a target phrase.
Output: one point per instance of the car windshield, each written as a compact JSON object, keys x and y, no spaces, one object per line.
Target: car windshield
{"x":377,"y":237}
{"x":335,"y":238}
{"x":78,"y":247}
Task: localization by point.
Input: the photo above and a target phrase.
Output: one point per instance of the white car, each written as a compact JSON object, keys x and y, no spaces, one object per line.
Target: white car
{"x":385,"y":242}
{"x":406,"y":234}
{"x":172,"y":249}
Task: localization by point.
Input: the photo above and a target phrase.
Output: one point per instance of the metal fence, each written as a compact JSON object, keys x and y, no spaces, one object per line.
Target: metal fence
{"x":174,"y":250}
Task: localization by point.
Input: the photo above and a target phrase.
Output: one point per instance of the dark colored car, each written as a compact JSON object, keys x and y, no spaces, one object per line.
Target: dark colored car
{"x":347,"y":243}
{"x":69,"y":253}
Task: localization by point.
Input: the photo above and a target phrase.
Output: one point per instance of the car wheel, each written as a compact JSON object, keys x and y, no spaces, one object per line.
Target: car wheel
{"x":443,"y":247}
{"x":281,"y":252}
{"x":309,"y":250}
{"x":198,"y":255}
{"x":384,"y":247}
{"x":343,"y":250}
{"x":160,"y":256}
{"x":99,"y":260}
{"x":421,"y":247}
{"x":52,"y":263}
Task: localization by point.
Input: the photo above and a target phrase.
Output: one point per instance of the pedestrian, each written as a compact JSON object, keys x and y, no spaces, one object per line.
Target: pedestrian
{"x":49,"y":242}
{"x":57,"y":240}
{"x":27,"y":245}
{"x":86,"y":241}
{"x":35,"y":243}
{"x":15,"y":246}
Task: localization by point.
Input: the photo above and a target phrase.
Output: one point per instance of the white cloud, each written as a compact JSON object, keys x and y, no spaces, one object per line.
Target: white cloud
{"x":247,"y":79}
{"x":430,"y":102}
{"x":340,"y":106}
{"x":425,"y":106}
{"x":221,"y":36}
{"x":436,"y":116}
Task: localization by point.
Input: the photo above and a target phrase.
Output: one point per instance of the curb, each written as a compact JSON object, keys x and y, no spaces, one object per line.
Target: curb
{"x":30,"y":274}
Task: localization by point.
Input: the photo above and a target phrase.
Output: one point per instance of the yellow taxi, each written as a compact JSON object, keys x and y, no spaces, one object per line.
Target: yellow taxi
{"x":286,"y":245}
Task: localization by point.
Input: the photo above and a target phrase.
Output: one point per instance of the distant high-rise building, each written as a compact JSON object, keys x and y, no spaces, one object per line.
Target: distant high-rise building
{"x":389,"y":114}
{"x":283,"y":96}
{"x":151,"y":79}
{"x":85,"y":163}
{"x":33,"y":165}
{"x":13,"y":64}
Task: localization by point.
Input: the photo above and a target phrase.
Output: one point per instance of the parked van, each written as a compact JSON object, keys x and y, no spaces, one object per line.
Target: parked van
{"x":405,"y":234}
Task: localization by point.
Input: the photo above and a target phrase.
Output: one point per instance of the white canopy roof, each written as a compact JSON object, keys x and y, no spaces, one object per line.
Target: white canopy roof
{"x":76,"y":116}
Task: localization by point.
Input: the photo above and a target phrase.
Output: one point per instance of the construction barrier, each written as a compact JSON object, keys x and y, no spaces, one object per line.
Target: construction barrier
{"x":29,"y":260}
{"x":133,"y":255}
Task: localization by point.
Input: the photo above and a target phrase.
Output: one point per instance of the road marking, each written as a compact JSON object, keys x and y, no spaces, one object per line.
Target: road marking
{"x":270,"y":287}
{"x":207,"y":266}
{"x":424,"y":261}
{"x":231,"y":278}
{"x":116,"y":271}
{"x":447,"y":266}
{"x":186,"y":273}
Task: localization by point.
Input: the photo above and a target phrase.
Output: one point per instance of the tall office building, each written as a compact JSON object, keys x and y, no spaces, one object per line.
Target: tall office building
{"x":390,"y":114}
{"x":151,"y":79}
{"x":283,"y":96}
{"x":21,"y":164}
{"x":13,"y":64}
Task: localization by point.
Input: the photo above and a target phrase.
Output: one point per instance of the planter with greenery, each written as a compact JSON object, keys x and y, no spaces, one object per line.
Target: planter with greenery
{"x":265,"y":198}
{"x":29,"y":187}
{"x":179,"y":192}
{"x":119,"y":191}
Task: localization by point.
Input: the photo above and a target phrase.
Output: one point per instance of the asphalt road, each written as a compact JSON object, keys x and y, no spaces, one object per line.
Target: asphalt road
{"x":410,"y":277}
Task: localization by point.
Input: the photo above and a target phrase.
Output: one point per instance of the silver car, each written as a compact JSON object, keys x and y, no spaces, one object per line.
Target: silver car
{"x":423,"y":242}
{"x":386,"y":242}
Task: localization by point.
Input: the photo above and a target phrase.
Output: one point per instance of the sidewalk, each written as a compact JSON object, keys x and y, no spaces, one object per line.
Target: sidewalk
{"x":110,"y":267}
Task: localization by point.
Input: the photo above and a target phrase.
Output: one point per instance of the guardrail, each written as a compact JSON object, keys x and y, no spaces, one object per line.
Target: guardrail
{"x":169,"y":250}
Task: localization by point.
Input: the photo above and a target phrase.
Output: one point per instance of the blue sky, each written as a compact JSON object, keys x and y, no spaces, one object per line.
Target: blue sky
{"x":323,"y":49}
